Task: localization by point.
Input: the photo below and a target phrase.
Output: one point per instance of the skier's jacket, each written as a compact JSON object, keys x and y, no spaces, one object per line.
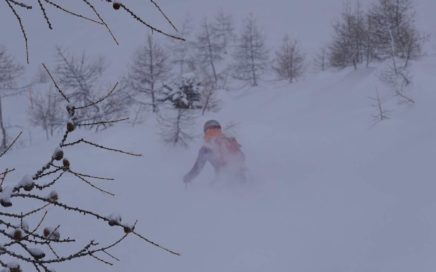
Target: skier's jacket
{"x":221,"y":151}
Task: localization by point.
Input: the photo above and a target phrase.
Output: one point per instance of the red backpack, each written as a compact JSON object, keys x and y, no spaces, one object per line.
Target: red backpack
{"x":232,"y":145}
{"x":229,"y":149}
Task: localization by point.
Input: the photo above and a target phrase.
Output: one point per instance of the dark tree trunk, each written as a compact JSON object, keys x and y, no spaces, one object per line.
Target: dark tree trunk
{"x":2,"y":128}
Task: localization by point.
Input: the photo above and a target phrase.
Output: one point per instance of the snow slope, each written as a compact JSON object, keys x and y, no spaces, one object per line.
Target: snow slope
{"x":331,"y":191}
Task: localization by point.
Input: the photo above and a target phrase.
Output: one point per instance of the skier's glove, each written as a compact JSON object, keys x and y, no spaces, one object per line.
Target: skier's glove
{"x":187,"y":178}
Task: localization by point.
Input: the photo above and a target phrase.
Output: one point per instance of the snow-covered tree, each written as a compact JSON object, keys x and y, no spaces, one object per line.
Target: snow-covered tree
{"x":185,"y":93}
{"x":148,"y":71}
{"x":251,"y":55}
{"x":289,"y":60}
{"x":182,"y":101}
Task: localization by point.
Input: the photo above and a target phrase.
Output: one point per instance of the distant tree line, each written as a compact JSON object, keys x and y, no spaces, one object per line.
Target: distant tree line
{"x":383,"y":31}
{"x":180,"y":80}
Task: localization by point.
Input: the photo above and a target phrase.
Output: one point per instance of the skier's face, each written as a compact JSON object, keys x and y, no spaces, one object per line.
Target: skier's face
{"x":212,"y":132}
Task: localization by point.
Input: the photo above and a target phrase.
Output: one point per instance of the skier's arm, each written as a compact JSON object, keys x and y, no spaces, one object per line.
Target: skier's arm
{"x":198,"y":165}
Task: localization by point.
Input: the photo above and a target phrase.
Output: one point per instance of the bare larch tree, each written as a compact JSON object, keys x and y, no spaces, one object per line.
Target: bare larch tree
{"x":182,"y":52}
{"x":210,"y":48}
{"x":251,"y":55}
{"x":320,"y":61}
{"x":176,"y":126}
{"x":80,"y":77}
{"x":380,"y":112}
{"x":148,"y":71}
{"x":385,"y":31}
{"x":45,"y":112}
{"x":289,"y":60}
{"x":398,"y":40}
{"x":224,"y":30}
{"x":350,"y":35}
{"x":10,"y":70}
{"x":393,"y":30}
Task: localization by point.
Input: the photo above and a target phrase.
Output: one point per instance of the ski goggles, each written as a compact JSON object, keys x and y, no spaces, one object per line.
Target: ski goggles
{"x":212,"y":131}
{"x":213,"y":127}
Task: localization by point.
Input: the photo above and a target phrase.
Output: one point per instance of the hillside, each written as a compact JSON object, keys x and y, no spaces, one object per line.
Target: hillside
{"x":330,"y":190}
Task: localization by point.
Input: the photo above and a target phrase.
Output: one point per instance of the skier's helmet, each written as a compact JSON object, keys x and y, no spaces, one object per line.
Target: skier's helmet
{"x":211,"y":124}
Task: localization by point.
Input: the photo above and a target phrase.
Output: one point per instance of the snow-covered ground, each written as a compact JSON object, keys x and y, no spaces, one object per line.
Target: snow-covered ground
{"x":330,"y":189}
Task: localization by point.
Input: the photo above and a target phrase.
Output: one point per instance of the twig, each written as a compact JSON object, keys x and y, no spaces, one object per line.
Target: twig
{"x":93,"y":177}
{"x":40,"y":222}
{"x":4,"y":175}
{"x":42,"y":170}
{"x":100,"y":146}
{"x":13,"y":215}
{"x":11,"y":144}
{"x":20,"y":4}
{"x":110,"y":255}
{"x":100,"y":259}
{"x":110,"y":246}
{"x":155,"y":244}
{"x":45,"y":14}
{"x":42,"y":187}
{"x":21,"y":26}
{"x":28,"y":233}
{"x":101,"y":99}
{"x":68,"y":240}
{"x":53,"y":251}
{"x":61,"y":205}
{"x":64,"y":138}
{"x":406,"y":98}
{"x":72,"y":13}
{"x":101,"y":20}
{"x":90,"y":184}
{"x":35,"y":211}
{"x":164,"y":15}
{"x":47,"y":173}
{"x":104,"y":122}
{"x":56,"y":85}
{"x":148,"y":25}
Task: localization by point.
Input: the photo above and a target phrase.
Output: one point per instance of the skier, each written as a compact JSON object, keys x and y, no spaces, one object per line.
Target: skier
{"x":223,"y":152}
